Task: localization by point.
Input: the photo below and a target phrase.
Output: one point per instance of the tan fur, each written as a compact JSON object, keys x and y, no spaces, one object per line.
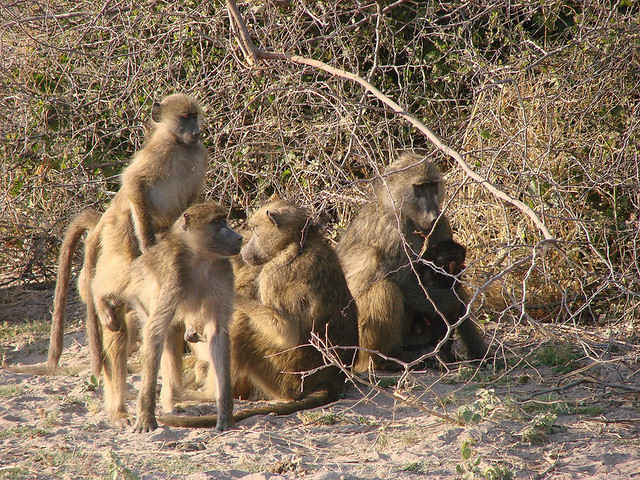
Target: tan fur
{"x":185,"y":281}
{"x":84,"y":221}
{"x":245,"y":275}
{"x":300,"y":290}
{"x":381,"y":255}
{"x":164,"y":177}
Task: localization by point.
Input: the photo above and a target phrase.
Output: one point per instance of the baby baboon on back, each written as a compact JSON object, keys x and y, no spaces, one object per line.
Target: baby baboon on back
{"x":379,"y":253}
{"x":186,"y":280}
{"x":302,"y":292}
{"x":165,"y":176}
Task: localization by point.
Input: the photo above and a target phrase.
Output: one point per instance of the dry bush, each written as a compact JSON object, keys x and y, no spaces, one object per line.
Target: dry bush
{"x":541,"y":98}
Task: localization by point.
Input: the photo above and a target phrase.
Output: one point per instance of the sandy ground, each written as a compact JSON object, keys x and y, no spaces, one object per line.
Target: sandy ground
{"x":588,"y":426}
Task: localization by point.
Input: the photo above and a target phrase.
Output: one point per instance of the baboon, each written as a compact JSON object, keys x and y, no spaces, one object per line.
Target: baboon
{"x":302,"y":293}
{"x":246,"y":285}
{"x":442,"y":263}
{"x":185,"y":280}
{"x":381,"y":255}
{"x":448,"y":258}
{"x":164,"y":177}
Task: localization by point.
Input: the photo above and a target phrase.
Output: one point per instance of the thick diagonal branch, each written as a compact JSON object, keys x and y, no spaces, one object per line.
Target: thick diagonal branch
{"x":253,"y":53}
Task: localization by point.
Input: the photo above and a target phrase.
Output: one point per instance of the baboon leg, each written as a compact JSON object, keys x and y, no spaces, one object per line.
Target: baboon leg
{"x":219,"y":348}
{"x":380,"y":325}
{"x":153,"y":333}
{"x":133,"y":331}
{"x":95,"y":340}
{"x":251,"y":370}
{"x":115,"y":344}
{"x":473,"y":341}
{"x":171,"y":366}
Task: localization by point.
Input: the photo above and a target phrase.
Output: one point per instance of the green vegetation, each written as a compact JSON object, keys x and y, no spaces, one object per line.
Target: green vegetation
{"x":539,"y":428}
{"x":471,"y":466}
{"x":10,"y":391}
{"x":562,"y":357}
{"x":483,"y":408}
{"x":117,"y":469}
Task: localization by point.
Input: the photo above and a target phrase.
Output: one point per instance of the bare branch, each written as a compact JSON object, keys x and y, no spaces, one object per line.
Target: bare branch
{"x":254,"y":53}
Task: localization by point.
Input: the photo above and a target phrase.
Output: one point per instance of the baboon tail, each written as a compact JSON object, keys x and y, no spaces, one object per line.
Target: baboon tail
{"x":316,"y":399}
{"x":94,"y":334}
{"x":84,"y":221}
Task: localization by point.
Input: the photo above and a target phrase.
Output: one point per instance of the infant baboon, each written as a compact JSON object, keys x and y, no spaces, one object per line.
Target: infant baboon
{"x":449,"y":257}
{"x":165,"y":177}
{"x":380,"y":252}
{"x":444,"y":261}
{"x":302,"y":293}
{"x":185,"y":280}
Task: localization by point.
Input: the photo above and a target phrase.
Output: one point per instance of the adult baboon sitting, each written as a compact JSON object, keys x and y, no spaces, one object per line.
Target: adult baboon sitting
{"x":302,"y":293}
{"x":382,"y":252}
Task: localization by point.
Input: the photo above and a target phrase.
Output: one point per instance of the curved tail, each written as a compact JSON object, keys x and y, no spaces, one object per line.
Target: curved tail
{"x":316,"y":399}
{"x":86,"y":220}
{"x":94,"y":334}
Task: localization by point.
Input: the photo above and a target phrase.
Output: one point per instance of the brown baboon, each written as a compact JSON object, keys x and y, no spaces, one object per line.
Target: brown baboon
{"x":381,"y":255}
{"x":165,"y":176}
{"x":302,"y":294}
{"x":246,"y":285}
{"x":186,"y":280}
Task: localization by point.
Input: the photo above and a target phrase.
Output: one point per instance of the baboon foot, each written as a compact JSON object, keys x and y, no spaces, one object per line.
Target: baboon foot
{"x":145,"y":423}
{"x":225,"y":423}
{"x":120,"y":419}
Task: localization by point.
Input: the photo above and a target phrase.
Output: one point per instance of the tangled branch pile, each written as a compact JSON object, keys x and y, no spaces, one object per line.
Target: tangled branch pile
{"x":541,"y":98}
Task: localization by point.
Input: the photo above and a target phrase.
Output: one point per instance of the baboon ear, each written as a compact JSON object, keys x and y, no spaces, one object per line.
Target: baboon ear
{"x":452,"y":268}
{"x":156,"y":112}
{"x":184,"y":222}
{"x":274,"y":197}
{"x":274,"y":217}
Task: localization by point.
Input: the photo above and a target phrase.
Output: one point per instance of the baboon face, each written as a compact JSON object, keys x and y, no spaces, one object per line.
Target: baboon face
{"x":274,"y":227}
{"x":414,"y":188}
{"x":181,"y":116}
{"x":449,"y":255}
{"x":207,"y":227}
